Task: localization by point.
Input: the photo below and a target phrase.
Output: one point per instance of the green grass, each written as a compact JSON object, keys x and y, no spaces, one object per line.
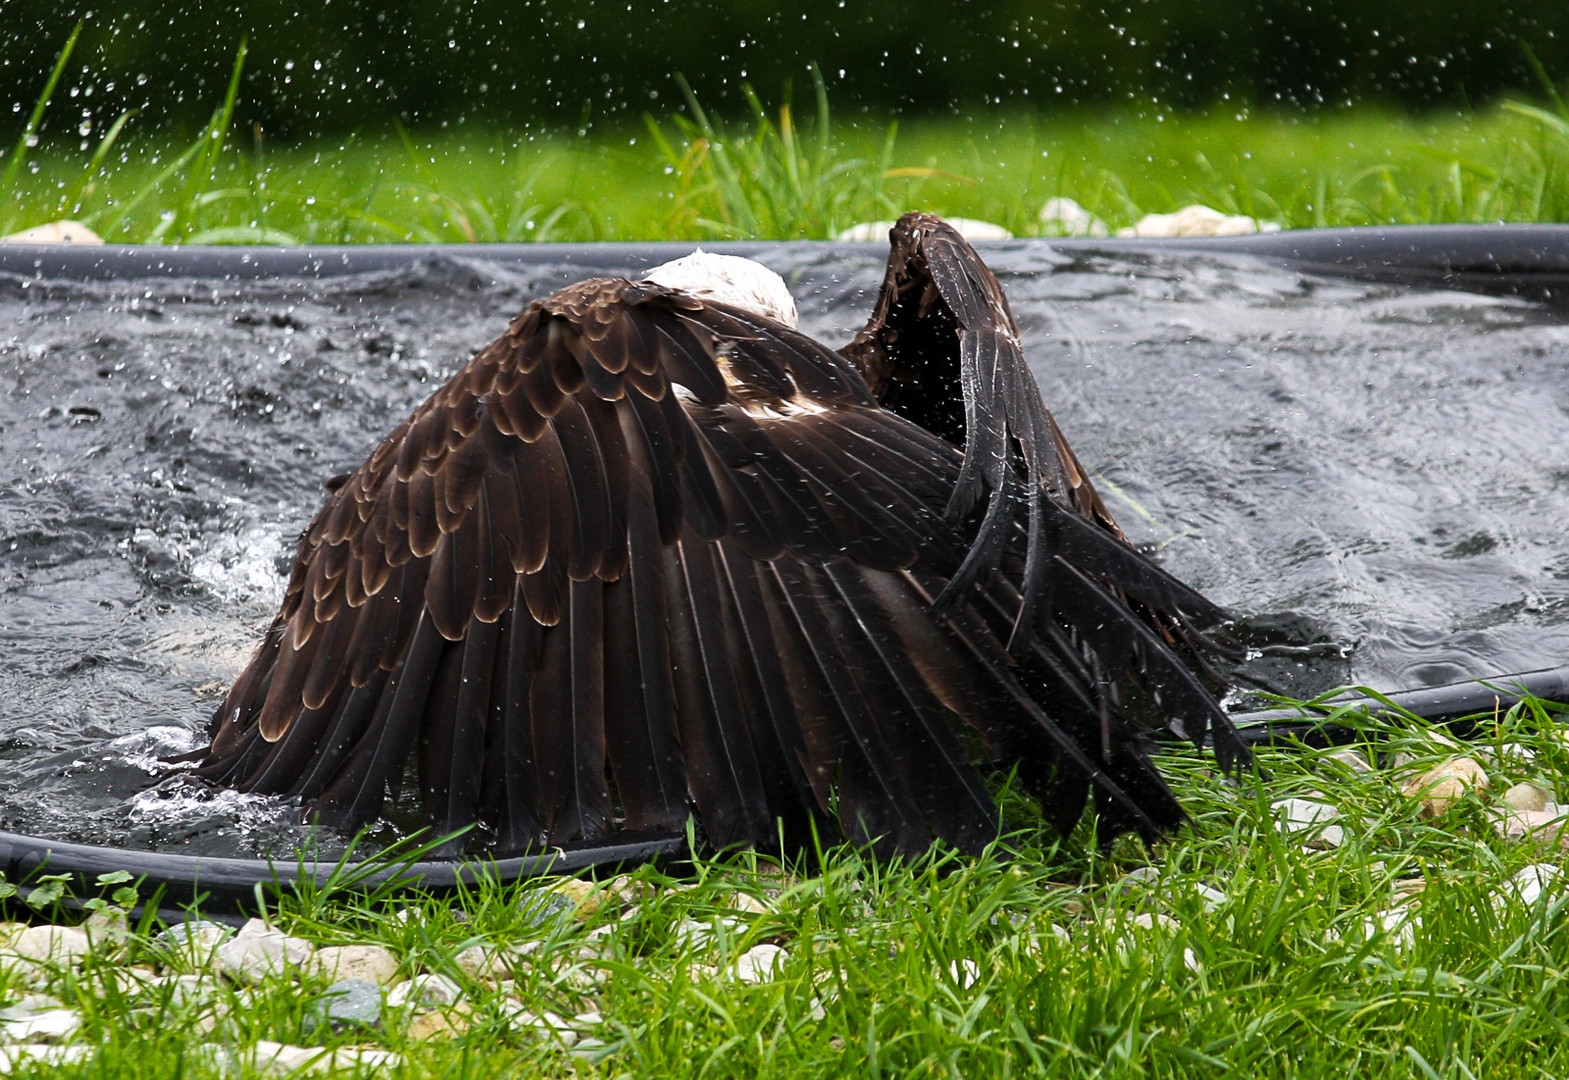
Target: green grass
{"x":1282,"y":977}
{"x":778,"y":175}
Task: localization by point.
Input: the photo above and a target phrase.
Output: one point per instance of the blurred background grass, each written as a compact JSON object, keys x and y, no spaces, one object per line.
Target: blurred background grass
{"x":254,"y":123}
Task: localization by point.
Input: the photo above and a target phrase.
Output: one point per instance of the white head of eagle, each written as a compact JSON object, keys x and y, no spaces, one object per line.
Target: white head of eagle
{"x":731,"y":280}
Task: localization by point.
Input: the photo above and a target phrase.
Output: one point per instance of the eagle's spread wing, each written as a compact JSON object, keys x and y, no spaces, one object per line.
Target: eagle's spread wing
{"x":942,"y":349}
{"x":642,"y":556}
{"x":647,"y":557}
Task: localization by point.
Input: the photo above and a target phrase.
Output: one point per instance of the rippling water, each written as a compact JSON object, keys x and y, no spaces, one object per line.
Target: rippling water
{"x":1378,"y":477}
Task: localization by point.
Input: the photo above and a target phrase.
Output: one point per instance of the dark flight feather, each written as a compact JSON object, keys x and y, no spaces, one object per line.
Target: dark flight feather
{"x":651,"y":556}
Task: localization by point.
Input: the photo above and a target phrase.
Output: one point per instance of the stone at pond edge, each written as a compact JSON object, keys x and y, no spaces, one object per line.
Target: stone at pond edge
{"x":55,"y":944}
{"x":1063,"y":216}
{"x":278,"y":1059}
{"x":369,"y":962}
{"x":258,"y":951}
{"x":761,"y":963}
{"x":1315,"y":819}
{"x":1527,"y":796}
{"x":12,"y":1057}
{"x":37,"y":1018}
{"x":347,"y":1004}
{"x":1445,"y":784}
{"x":1546,"y":829}
{"x":194,"y":941}
{"x":1528,"y":885}
{"x":442,"y":1023}
{"x":55,"y":232}
{"x":424,"y":991}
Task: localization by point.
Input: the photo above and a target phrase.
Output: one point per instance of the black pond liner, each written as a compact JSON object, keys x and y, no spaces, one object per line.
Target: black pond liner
{"x":1530,"y":262}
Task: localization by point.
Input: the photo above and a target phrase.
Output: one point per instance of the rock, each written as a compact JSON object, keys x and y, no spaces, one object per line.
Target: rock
{"x":1351,"y":759}
{"x":440,"y":1024}
{"x":584,"y":895}
{"x":1544,"y":828}
{"x":547,"y":1024}
{"x":1152,"y":920}
{"x":1142,"y":877}
{"x":258,"y":952}
{"x":12,"y":1057}
{"x":52,"y":944}
{"x":744,"y":902}
{"x":1197,"y":220}
{"x":761,"y":963}
{"x":1063,"y":216}
{"x":195,"y":941}
{"x":1528,"y":885}
{"x":699,"y":935}
{"x":37,"y":1018}
{"x":106,"y":928}
{"x":280,"y":1058}
{"x":966,"y":973}
{"x":1445,"y":784}
{"x":347,"y":1004}
{"x":969,"y":228}
{"x":9,"y":931}
{"x":589,"y":1049}
{"x":1313,"y":819}
{"x":184,"y":990}
{"x":1528,"y":796}
{"x":481,"y":964}
{"x":1406,"y":890}
{"x":56,"y":232}
{"x":369,"y":962}
{"x":425,"y":991}
{"x":1400,"y":924}
{"x":1210,"y":897}
{"x":626,"y":890}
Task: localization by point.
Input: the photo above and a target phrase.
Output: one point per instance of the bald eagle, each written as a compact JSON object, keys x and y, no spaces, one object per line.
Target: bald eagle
{"x":654,"y":554}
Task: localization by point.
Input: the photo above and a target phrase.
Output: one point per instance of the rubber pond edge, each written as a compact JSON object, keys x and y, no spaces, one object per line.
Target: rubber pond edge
{"x":233,"y":887}
{"x":1529,"y":261}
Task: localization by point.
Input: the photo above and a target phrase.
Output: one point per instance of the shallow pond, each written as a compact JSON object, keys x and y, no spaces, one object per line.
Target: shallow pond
{"x":1377,"y":474}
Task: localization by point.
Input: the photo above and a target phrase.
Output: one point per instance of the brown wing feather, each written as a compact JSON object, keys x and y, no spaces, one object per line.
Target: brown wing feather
{"x":646,"y":554}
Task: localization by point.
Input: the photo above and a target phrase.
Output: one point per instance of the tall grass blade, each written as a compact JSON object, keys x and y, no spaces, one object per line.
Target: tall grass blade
{"x":71,"y":202}
{"x":29,"y":134}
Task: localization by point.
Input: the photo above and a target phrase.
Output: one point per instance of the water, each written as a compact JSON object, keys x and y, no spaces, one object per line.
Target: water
{"x":1378,"y":476}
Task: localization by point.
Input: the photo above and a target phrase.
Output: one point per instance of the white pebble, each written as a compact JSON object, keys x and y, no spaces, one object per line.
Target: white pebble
{"x":1400,"y":924}
{"x":1063,"y":216}
{"x":758,"y":964}
{"x":1545,"y":828}
{"x":1197,"y":220}
{"x":280,"y":1058}
{"x":425,"y":990}
{"x":544,"y":1023}
{"x":370,"y":962}
{"x":12,"y":1057}
{"x":1210,"y":897}
{"x":969,"y":228}
{"x":1294,"y":816}
{"x":1351,"y":759}
{"x":697,"y":935}
{"x":1530,"y":883}
{"x":964,"y":972}
{"x":588,"y":1049}
{"x":55,"y":232}
{"x":52,"y":944}
{"x":258,"y":952}
{"x":32,"y":1021}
